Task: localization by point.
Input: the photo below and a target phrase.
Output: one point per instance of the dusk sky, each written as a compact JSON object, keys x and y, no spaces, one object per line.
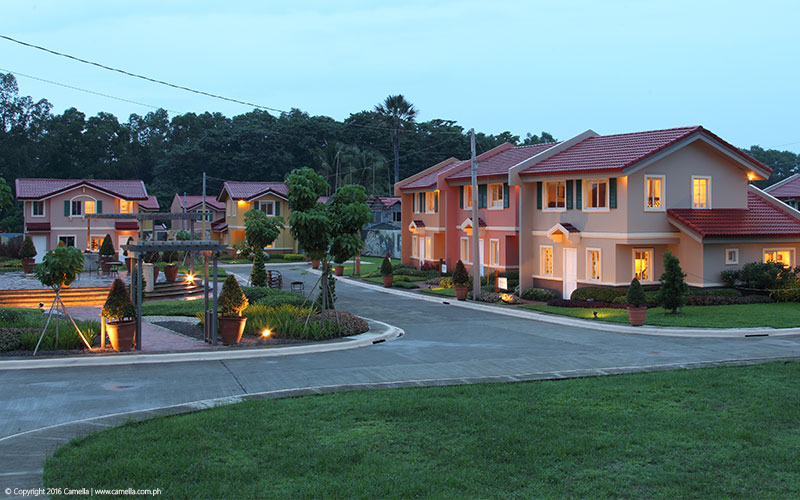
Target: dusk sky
{"x":562,"y":67}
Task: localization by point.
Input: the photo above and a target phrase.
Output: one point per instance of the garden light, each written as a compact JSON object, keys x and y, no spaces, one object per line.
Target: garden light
{"x":190,"y":278}
{"x":266,"y":333}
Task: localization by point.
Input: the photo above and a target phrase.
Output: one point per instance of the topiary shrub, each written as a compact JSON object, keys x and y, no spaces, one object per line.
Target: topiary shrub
{"x":107,"y":247}
{"x":232,"y":300}
{"x":635,"y":296}
{"x":540,"y":294}
{"x":27,"y":250}
{"x":170,"y":256}
{"x":258,"y":276}
{"x":118,"y":306}
{"x":386,"y":266}
{"x":152,"y":257}
{"x":460,"y":275}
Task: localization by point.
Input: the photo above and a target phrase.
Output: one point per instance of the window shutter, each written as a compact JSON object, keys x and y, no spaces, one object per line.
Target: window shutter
{"x":421,"y":202}
{"x":66,"y":208}
{"x":255,"y":205}
{"x":483,"y":196}
{"x":612,"y":192}
{"x":460,"y":196}
{"x":99,"y":206}
{"x":539,"y":195}
{"x":568,"y":194}
{"x":435,"y":202}
{"x":277,"y":208}
{"x":578,"y":194}
{"x":505,"y":195}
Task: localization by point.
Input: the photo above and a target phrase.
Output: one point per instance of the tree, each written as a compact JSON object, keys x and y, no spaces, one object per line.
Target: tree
{"x":397,"y":112}
{"x":349,"y":212}
{"x":258,"y":276}
{"x":260,"y":231}
{"x":672,"y":294}
{"x":6,"y":199}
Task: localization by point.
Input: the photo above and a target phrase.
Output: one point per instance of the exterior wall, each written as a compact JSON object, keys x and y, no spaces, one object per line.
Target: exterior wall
{"x":435,"y":224}
{"x":284,"y":243}
{"x":714,"y":256}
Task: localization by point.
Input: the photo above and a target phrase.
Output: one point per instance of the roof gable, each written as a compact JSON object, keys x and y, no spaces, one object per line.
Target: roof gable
{"x":786,"y":188}
{"x":194,"y":201}
{"x":38,"y":189}
{"x":249,"y":191}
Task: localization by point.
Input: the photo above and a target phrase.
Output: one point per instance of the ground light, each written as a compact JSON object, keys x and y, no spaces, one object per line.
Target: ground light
{"x":266,"y":333}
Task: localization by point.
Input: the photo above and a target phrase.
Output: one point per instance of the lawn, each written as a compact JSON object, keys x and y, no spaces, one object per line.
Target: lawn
{"x":777,"y":315}
{"x":710,"y":433}
{"x":368,"y":265}
{"x":173,"y":308}
{"x":445,"y":292}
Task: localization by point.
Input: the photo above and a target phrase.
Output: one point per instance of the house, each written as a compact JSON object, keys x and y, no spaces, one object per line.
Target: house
{"x":787,"y":190}
{"x":55,"y":211}
{"x":383,"y":234}
{"x":240,"y":197}
{"x":150,"y":228}
{"x":194,"y":204}
{"x":598,"y":210}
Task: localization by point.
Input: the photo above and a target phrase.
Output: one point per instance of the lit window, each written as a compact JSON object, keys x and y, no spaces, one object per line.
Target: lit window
{"x":496,"y":195}
{"x":414,"y":244}
{"x":546,"y":264}
{"x":593,"y":264}
{"x":67,"y":240}
{"x":654,"y":192}
{"x":95,"y":242}
{"x":467,"y":196}
{"x":89,"y":207}
{"x":731,"y":255}
{"x":494,"y":252}
{"x":77,"y":208}
{"x":596,"y":194}
{"x":432,"y":202}
{"x":555,"y":194}
{"x":701,"y":192}
{"x":780,"y":256}
{"x":125,"y":207}
{"x":37,"y":209}
{"x":642,"y":262}
{"x":464,"y":255}
{"x":428,"y":248}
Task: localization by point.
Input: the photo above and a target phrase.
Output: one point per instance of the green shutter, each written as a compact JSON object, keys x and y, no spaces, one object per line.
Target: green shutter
{"x":66,"y":208}
{"x":460,"y":196}
{"x":254,"y":205}
{"x":435,"y":202}
{"x":569,"y":194}
{"x":422,"y":202}
{"x":99,"y":206}
{"x":505,"y":195}
{"x":539,"y":195}
{"x":277,"y":208}
{"x":483,"y":196}
{"x":578,"y":194}
{"x":612,"y":192}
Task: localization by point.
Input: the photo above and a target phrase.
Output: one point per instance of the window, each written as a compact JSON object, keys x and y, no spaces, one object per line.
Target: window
{"x":76,"y":208}
{"x":593,"y":264}
{"x":494,"y":250}
{"x":414,"y":202}
{"x":428,"y":248}
{"x":467,"y":201}
{"x":555,"y":195}
{"x":701,"y":192}
{"x":464,"y":255}
{"x":781,"y":256}
{"x":397,"y":216}
{"x":95,"y":242}
{"x":90,"y":207}
{"x":596,"y":194}
{"x":234,"y":204}
{"x":414,"y":246}
{"x":432,"y":202}
{"x":546,"y":260}
{"x":67,"y":240}
{"x":125,"y":207}
{"x":654,"y":193}
{"x":642,"y":264}
{"x":268,"y":207}
{"x":731,"y":255}
{"x":37,"y":209}
{"x":495,"y":195}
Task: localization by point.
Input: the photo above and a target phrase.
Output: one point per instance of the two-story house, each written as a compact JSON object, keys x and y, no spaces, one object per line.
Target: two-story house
{"x":383,"y":234}
{"x":55,"y":211}
{"x":240,"y":197}
{"x":215,"y":211}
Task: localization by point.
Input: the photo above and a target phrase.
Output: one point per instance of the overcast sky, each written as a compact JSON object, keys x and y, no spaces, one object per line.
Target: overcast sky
{"x":562,"y":66}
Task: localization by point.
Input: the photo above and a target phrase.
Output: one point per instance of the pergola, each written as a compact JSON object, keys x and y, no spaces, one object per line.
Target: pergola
{"x":208,"y":249}
{"x":153,"y":216}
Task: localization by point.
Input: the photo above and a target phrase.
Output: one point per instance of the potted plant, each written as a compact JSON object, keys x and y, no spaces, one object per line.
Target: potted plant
{"x":171,"y":269}
{"x":107,"y":253}
{"x":153,"y":258}
{"x":231,"y":304}
{"x":128,"y":259}
{"x":460,"y":281}
{"x":387,"y":272}
{"x":27,"y":252}
{"x":121,"y":316}
{"x":637,"y":311}
{"x":315,"y":263}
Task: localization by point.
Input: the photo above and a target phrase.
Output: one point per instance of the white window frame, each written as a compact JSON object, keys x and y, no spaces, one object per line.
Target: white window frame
{"x":651,"y":259}
{"x":728,"y":260}
{"x":414,"y":246}
{"x":467,"y":200}
{"x":546,"y":201}
{"x":44,"y":208}
{"x":234,"y":207}
{"x":764,"y":252}
{"x":72,"y":203}
{"x":73,"y":236}
{"x":85,"y":210}
{"x":266,"y":203}
{"x":708,"y":192}
{"x":494,"y":257}
{"x":431,"y":202}
{"x":542,"y":266}
{"x":586,"y":195}
{"x":662,"y":194}
{"x":397,"y":217}
{"x":464,"y":250}
{"x":123,"y":204}
{"x":98,"y":237}
{"x":428,"y":248}
{"x":495,"y":194}
{"x":599,"y":251}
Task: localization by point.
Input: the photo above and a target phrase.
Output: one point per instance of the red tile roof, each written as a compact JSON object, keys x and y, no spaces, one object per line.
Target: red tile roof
{"x":787,"y":188}
{"x":219,"y":225}
{"x":430,"y":179}
{"x":151,"y":203}
{"x":251,"y":190}
{"x":35,"y":189}
{"x":419,"y":223}
{"x":760,"y":218}
{"x":193,"y":201}
{"x":382,"y":202}
{"x":500,"y":163}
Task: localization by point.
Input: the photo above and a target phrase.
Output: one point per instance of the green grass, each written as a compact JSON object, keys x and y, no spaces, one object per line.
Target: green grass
{"x":173,"y":308}
{"x":445,"y":292}
{"x":778,"y":315}
{"x":712,"y":433}
{"x":368,"y":265}
{"x":27,"y":324}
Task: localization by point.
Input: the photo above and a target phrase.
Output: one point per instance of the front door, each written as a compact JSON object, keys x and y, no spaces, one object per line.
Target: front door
{"x":570,"y":271}
{"x":40,"y":244}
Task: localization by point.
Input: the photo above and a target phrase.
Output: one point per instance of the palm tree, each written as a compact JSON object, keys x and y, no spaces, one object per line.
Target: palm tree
{"x":329,"y":157}
{"x":363,"y":165}
{"x":398,"y":113}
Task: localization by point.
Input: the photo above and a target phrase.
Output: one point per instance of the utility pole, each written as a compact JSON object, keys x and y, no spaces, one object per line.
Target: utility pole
{"x":204,"y":208}
{"x":476,"y":276}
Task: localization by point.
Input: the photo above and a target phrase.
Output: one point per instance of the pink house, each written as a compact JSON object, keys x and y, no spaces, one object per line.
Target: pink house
{"x":55,"y":211}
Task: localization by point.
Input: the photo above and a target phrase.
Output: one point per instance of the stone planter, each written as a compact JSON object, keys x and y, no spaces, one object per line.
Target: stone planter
{"x":231,"y":329}
{"x":120,"y":334}
{"x":637,"y":315}
{"x":148,"y":273}
{"x":387,"y":281}
{"x":338,"y":270}
{"x":28,"y":265}
{"x":461,"y":292}
{"x":171,"y":273}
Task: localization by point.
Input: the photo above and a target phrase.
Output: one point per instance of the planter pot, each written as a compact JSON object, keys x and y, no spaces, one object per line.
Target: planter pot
{"x":129,"y":264}
{"x":461,"y":292}
{"x":637,"y":315}
{"x":147,"y":272}
{"x":388,"y":280}
{"x":171,"y":273}
{"x":314,"y":264}
{"x":155,"y":274}
{"x":231,"y":329}
{"x":121,"y":333}
{"x":338,"y":270}
{"x":28,"y":265}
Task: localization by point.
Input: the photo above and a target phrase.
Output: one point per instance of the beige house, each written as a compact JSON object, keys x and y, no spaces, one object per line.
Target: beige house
{"x":599,"y":210}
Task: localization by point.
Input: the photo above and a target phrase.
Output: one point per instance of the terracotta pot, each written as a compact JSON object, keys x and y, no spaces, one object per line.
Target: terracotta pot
{"x":171,"y":272}
{"x":231,"y":328}
{"x":637,"y":315}
{"x":314,"y":264}
{"x":461,"y":292}
{"x":388,"y":280}
{"x":338,"y":270}
{"x":121,"y":334}
{"x":28,"y":265}
{"x":155,"y":274}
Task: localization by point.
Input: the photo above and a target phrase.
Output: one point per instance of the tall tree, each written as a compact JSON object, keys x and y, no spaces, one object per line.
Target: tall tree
{"x":397,"y":112}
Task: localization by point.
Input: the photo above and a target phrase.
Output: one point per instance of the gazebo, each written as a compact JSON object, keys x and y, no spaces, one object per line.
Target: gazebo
{"x":208,"y":249}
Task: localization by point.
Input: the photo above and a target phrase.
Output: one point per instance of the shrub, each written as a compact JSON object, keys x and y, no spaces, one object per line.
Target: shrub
{"x":152,"y":257}
{"x":118,"y":305}
{"x":673,"y":288}
{"x":258,"y":275}
{"x":730,"y":277}
{"x":598,"y":293}
{"x":243,"y":250}
{"x":349,"y":324}
{"x":584,"y":304}
{"x":27,"y":250}
{"x":405,"y":284}
{"x":429,"y":266}
{"x":408,"y":270}
{"x":60,"y":266}
{"x":460,"y":275}
{"x":281,"y":297}
{"x":12,"y":247}
{"x":10,"y":339}
{"x":726,"y":300}
{"x":293,"y":257}
{"x":764,"y":275}
{"x":232,"y":300}
{"x":635,"y":296}
{"x":10,"y":316}
{"x":789,"y":292}
{"x":540,"y":294}
{"x":183,"y":235}
{"x":107,"y":247}
{"x":170,"y":256}
{"x":386,"y":266}
{"x":446,"y":283}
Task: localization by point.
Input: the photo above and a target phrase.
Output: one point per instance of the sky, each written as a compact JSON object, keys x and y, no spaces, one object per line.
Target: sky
{"x":562,"y":67}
